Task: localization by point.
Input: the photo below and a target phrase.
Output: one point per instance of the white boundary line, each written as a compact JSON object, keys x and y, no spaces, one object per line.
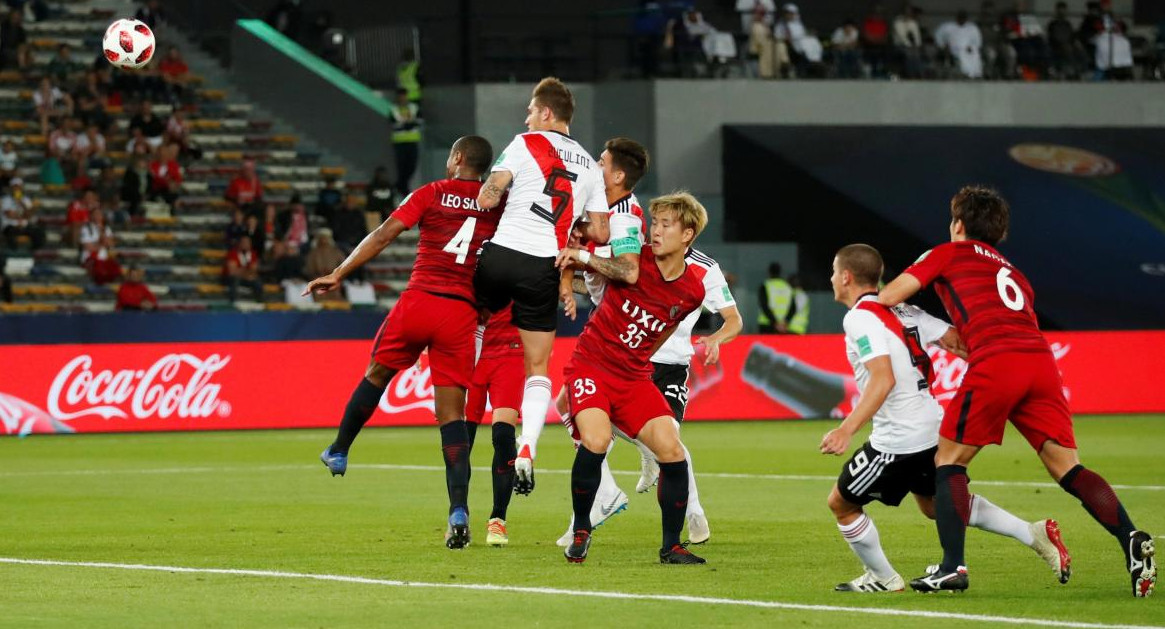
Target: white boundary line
{"x":436,"y":468}
{"x":669,"y":598}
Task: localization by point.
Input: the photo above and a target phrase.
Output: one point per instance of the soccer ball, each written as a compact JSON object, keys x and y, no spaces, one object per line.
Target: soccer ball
{"x":128,"y":44}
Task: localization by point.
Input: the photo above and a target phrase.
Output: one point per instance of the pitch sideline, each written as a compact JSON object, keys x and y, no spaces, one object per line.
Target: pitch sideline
{"x":668,"y":598}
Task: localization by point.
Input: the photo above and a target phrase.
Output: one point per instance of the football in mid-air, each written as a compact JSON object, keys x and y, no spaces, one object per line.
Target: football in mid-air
{"x":128,"y":43}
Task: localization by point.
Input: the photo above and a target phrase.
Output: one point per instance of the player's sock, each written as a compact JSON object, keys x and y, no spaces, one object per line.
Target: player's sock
{"x":862,"y":537}
{"x":585,"y":476}
{"x":503,"y":468}
{"x":478,"y":338}
{"x":952,"y":510}
{"x":471,"y":431}
{"x":607,"y":486}
{"x":360,"y":407}
{"x":1100,"y":501}
{"x":535,"y":403}
{"x":455,"y":447}
{"x":673,"y":500}
{"x":694,"y":505}
{"x":988,"y":517}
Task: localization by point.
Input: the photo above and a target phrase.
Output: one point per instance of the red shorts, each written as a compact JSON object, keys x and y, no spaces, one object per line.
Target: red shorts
{"x":1023,"y":388}
{"x":629,"y":403}
{"x":444,"y":325}
{"x":502,"y":378}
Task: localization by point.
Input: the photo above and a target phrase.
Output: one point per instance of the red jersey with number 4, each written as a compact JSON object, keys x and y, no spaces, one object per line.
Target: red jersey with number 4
{"x":623,"y":332}
{"x":453,"y":228}
{"x":989,"y":300}
{"x":501,"y":336}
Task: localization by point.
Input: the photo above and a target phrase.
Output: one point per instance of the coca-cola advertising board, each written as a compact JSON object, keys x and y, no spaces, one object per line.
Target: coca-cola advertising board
{"x":218,"y":386}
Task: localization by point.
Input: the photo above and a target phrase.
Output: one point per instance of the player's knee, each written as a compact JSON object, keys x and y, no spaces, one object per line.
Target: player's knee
{"x":671,"y":451}
{"x":596,"y":441}
{"x":378,"y":375}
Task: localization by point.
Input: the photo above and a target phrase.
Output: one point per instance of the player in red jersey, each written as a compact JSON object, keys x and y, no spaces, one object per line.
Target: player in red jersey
{"x":1012,"y":377}
{"x":499,"y":375}
{"x":609,"y":375}
{"x":436,"y":311}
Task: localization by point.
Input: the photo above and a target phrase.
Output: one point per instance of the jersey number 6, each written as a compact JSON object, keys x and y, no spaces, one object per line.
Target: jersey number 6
{"x":560,"y":197}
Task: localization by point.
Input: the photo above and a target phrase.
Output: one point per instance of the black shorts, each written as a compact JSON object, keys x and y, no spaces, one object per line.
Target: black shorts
{"x":530,"y":283}
{"x":870,"y":475}
{"x":672,"y":382}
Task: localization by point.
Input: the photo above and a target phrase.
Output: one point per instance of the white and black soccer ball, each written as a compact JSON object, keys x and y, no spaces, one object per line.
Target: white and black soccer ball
{"x":128,"y":43}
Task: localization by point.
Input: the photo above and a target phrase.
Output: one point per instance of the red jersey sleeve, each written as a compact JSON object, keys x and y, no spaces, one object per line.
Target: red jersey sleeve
{"x":931,"y":264}
{"x":414,"y":206}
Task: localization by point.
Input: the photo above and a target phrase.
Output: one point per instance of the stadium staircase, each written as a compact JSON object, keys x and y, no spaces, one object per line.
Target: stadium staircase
{"x":182,"y":253}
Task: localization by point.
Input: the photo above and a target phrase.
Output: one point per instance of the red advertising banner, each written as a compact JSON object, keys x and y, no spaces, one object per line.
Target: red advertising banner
{"x":217,"y":386}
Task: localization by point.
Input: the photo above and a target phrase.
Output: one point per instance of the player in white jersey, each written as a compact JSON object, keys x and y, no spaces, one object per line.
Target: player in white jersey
{"x":885,"y":347}
{"x":552,"y":182}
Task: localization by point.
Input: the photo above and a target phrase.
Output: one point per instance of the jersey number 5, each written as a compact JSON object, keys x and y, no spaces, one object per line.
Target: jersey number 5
{"x":459,"y":245}
{"x":560,"y":197}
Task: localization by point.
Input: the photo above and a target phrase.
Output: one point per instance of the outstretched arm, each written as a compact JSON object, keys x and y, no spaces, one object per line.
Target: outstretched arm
{"x":368,"y":249}
{"x":624,"y":268}
{"x":493,"y":189}
{"x":902,"y":288}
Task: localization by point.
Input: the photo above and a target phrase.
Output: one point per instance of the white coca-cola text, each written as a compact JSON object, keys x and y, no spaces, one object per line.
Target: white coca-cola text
{"x":177,"y":385}
{"x":411,"y":389}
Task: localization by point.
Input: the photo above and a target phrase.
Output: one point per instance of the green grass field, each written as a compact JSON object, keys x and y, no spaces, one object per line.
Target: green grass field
{"x":262,"y":501}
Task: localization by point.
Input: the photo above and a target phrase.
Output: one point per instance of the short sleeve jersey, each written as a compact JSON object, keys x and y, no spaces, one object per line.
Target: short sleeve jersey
{"x":632,"y":318}
{"x":501,"y":336}
{"x":678,"y":349}
{"x":555,"y":180}
{"x":990,"y":302}
{"x":453,"y":228}
{"x":908,"y":420}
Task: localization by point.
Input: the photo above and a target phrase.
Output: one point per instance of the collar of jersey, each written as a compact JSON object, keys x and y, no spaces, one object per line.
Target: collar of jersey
{"x":863,"y":296}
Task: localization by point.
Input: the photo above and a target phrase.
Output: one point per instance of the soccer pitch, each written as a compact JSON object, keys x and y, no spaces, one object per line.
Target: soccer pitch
{"x":249,"y":529}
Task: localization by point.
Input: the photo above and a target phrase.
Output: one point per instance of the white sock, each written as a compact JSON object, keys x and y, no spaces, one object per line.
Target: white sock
{"x":863,"y":539}
{"x":694,"y":505}
{"x":535,"y":403}
{"x":643,"y":449}
{"x":988,"y":517}
{"x":478,"y":337}
{"x":607,"y":486}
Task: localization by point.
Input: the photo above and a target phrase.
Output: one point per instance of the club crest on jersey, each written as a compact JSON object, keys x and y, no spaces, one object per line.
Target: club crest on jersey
{"x":645,"y":319}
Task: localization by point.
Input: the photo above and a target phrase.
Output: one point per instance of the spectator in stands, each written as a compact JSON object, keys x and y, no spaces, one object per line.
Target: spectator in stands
{"x":77,"y":216}
{"x":18,"y":216}
{"x":175,"y":74}
{"x":178,"y":132}
{"x":91,"y":112}
{"x":1114,"y":52}
{"x":14,"y":48}
{"x":330,"y":198}
{"x":847,"y":51}
{"x":281,"y":263}
{"x":1026,"y":35}
{"x":647,"y":29}
{"x":685,"y":38}
{"x":166,"y":175}
{"x":776,"y":300}
{"x":63,"y":68}
{"x":246,"y":190}
{"x":272,"y":226}
{"x":5,"y":281}
{"x":1066,"y":52}
{"x":51,"y":104}
{"x":241,"y":267}
{"x":9,"y":162}
{"x":151,"y":14}
{"x":108,"y":190}
{"x":296,"y":235}
{"x":762,"y":48}
{"x":254,"y":231}
{"x":135,"y":185}
{"x":1091,"y":26}
{"x":998,"y":54}
{"x":90,"y":149}
{"x":876,"y":40}
{"x":97,"y":249}
{"x":133,"y":294}
{"x":381,"y":197}
{"x":236,"y":229}
{"x":406,"y":138}
{"x":908,"y":42}
{"x":963,"y":41}
{"x":62,"y":145}
{"x":752,"y":11}
{"x":137,"y":144}
{"x":323,"y":258}
{"x":153,"y":127}
{"x":789,"y":33}
{"x":348,"y":225}
{"x":814,"y":54}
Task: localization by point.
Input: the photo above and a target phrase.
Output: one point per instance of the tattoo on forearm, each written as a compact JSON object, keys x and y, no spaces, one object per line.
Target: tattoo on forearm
{"x":613,"y":268}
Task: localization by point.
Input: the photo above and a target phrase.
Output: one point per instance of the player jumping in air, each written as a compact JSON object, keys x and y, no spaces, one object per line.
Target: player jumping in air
{"x":1012,"y":377}
{"x":553,"y":181}
{"x":609,"y":376}
{"x":885,"y":347}
{"x":436,"y":311}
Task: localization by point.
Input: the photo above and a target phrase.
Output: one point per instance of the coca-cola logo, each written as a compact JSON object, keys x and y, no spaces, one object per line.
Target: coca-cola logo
{"x":411,"y":389}
{"x":176,"y":385}
{"x":949,"y":370}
